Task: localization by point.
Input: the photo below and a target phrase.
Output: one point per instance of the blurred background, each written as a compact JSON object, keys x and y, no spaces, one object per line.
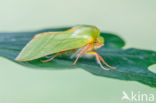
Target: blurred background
{"x":133,"y":20}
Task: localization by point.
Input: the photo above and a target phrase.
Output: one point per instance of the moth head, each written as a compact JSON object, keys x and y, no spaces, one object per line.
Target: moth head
{"x":99,"y":42}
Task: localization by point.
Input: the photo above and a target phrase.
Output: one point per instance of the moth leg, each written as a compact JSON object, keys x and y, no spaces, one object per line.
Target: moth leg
{"x":98,"y":57}
{"x":52,"y":57}
{"x":82,"y":51}
{"x":106,"y":63}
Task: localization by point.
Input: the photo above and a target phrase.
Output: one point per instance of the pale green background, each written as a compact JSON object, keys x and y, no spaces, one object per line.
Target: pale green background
{"x":134,"y":20}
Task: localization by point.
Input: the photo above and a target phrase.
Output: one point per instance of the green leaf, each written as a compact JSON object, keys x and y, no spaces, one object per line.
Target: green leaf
{"x":131,"y":63}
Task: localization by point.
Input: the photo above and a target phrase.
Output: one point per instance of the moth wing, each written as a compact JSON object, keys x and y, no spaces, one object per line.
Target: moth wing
{"x":49,"y":43}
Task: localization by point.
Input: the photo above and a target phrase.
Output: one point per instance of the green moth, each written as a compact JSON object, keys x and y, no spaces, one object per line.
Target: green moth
{"x":81,"y":39}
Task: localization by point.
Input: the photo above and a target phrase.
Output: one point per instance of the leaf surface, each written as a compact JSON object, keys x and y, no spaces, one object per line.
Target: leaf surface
{"x":131,"y":63}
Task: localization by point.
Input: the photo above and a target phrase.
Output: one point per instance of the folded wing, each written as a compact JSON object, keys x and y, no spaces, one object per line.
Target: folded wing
{"x":49,"y":43}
